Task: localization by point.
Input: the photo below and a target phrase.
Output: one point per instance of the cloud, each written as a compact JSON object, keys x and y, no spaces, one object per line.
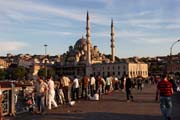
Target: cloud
{"x":7,"y":46}
{"x":139,"y":14}
{"x":23,"y":7}
{"x":124,"y":34}
{"x":21,"y":11}
{"x":153,"y":40}
{"x":173,"y":26}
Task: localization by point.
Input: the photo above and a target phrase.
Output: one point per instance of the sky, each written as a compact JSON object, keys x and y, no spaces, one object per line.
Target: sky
{"x":143,"y":28}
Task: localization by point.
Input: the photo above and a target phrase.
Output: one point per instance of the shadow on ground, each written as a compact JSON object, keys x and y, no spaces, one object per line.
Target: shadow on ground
{"x":85,"y":116}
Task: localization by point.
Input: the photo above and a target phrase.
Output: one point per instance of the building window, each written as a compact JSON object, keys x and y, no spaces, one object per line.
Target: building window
{"x":103,"y":74}
{"x":113,"y":73}
{"x":108,"y":73}
{"x":124,"y":67}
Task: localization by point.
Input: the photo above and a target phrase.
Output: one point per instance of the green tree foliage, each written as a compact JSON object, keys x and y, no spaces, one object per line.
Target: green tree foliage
{"x":2,"y":74}
{"x":42,"y":72}
{"x":50,"y":72}
{"x":19,"y":73}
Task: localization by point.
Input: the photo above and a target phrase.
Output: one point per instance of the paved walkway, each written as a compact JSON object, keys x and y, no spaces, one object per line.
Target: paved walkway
{"x":110,"y":107}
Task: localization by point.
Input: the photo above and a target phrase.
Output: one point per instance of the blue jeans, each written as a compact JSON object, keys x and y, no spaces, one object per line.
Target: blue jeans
{"x":41,"y":103}
{"x":128,"y":94}
{"x":166,"y":106}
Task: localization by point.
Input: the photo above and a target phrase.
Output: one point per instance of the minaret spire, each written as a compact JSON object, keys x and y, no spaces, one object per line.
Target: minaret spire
{"x":112,"y":42}
{"x":88,"y":37}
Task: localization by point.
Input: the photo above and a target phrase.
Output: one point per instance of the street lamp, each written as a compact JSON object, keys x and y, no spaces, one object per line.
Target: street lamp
{"x":45,"y":49}
{"x":171,"y":53}
{"x":45,"y":60}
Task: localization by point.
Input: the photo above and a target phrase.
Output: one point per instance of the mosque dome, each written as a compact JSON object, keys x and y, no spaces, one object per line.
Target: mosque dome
{"x":80,"y":44}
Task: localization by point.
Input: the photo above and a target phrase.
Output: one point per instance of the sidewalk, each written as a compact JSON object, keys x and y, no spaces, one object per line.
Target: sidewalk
{"x":110,"y":107}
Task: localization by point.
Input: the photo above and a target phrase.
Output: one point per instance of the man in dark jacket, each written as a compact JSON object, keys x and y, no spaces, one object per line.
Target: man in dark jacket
{"x":127,"y":87}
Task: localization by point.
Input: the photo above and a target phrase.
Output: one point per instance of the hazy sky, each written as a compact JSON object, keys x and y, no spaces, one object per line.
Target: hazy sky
{"x":142,"y":27}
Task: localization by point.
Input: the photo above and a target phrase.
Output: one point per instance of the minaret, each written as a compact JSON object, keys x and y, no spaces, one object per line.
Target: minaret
{"x":112,"y":42}
{"x":88,"y":37}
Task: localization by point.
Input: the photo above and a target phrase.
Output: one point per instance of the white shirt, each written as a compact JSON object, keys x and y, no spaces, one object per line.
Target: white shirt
{"x":76,"y":83}
{"x":92,"y":81}
{"x":51,"y":85}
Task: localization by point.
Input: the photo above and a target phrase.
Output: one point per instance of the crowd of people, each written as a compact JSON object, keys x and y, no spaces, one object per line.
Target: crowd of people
{"x":48,"y":93}
{"x":65,"y":90}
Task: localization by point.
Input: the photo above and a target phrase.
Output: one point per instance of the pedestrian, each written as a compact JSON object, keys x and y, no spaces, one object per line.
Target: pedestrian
{"x":60,"y":94}
{"x":65,"y":82}
{"x":41,"y":89}
{"x":127,"y":87}
{"x":85,"y":84}
{"x":108,"y":84}
{"x":75,"y":88}
{"x":164,"y":92}
{"x":92,"y":85}
{"x":1,"y":103}
{"x":51,"y":93}
{"x":139,"y":83}
{"x":174,"y":85}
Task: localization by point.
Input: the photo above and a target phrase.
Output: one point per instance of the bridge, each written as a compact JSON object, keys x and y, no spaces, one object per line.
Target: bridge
{"x":110,"y":107}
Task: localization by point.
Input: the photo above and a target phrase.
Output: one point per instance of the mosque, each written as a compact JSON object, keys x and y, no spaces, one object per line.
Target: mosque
{"x":84,"y":59}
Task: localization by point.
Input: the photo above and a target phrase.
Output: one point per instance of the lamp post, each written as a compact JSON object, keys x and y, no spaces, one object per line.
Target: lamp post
{"x":171,"y":53}
{"x":45,"y":60}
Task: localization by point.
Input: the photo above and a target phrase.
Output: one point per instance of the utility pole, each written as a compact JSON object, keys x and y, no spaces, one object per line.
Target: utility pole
{"x":171,"y":64}
{"x":45,"y":60}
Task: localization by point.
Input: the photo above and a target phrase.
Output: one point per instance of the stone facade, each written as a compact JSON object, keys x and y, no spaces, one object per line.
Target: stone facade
{"x":118,"y":69}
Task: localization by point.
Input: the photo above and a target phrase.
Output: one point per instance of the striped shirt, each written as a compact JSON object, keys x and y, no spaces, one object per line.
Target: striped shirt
{"x":165,"y":88}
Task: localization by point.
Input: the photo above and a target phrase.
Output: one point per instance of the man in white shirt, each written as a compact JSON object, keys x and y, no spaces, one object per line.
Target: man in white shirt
{"x":92,"y":85}
{"x":75,"y":88}
{"x":40,"y":91}
{"x":51,"y":93}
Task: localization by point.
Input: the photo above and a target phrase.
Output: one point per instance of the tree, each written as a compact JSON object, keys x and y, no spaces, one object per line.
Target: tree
{"x":2,"y":74}
{"x":42,"y":72}
{"x":50,"y":72}
{"x":19,"y":73}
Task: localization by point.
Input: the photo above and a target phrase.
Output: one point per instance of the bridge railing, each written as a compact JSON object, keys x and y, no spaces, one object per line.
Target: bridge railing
{"x":13,"y":100}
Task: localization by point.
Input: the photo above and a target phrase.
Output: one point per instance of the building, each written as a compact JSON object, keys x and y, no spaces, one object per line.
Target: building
{"x":80,"y":57}
{"x":4,"y":64}
{"x":84,"y":59}
{"x":174,"y":65}
{"x":119,"y":69}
